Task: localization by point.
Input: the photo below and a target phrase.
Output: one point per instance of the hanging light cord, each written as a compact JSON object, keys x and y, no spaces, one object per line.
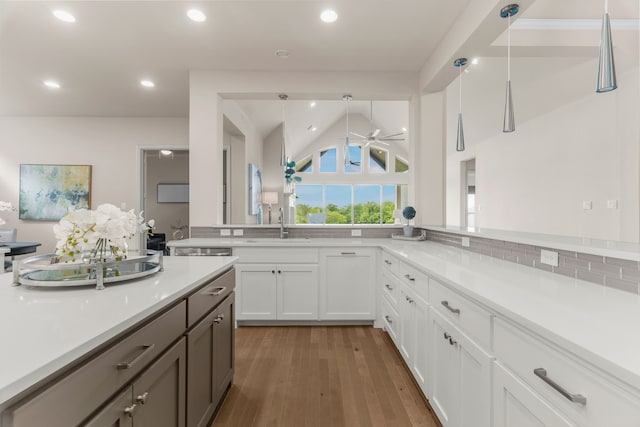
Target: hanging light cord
{"x":460,"y":94}
{"x":509,"y":47}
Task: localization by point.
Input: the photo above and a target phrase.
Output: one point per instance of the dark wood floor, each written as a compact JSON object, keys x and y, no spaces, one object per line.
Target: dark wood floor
{"x":320,"y":376}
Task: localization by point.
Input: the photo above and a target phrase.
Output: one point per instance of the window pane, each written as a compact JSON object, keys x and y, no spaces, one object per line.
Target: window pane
{"x":390,"y":200}
{"x":366,"y":207}
{"x":338,"y":204}
{"x":328,"y":160}
{"x":377,"y":160}
{"x":401,"y":165}
{"x":309,"y":202}
{"x":354,"y":159}
{"x":305,"y":165}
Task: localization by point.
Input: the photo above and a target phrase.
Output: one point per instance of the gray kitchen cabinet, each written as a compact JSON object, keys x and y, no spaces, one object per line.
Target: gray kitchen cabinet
{"x":210,"y":359}
{"x":155,"y":399}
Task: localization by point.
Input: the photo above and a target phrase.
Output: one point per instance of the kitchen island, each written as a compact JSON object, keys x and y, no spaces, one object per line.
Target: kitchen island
{"x":48,"y":335}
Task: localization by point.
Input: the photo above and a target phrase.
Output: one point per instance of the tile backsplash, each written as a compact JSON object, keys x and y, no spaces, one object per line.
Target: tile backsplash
{"x":606,"y":271}
{"x":297,"y":232}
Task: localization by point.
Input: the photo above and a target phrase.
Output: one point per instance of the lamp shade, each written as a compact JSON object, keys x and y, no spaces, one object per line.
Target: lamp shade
{"x":270,"y":197}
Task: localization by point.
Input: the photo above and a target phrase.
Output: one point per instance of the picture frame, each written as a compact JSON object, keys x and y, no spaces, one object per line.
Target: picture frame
{"x":255,"y":189}
{"x":49,"y":192}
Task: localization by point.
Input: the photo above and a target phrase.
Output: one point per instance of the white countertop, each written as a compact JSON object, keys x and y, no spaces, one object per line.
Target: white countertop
{"x":609,"y":248}
{"x":597,"y":323}
{"x":42,"y":329}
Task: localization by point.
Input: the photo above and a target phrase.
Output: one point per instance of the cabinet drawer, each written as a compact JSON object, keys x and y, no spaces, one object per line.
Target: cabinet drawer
{"x":390,"y":263}
{"x":210,"y":295}
{"x":467,"y":315}
{"x":390,"y":288}
{"x":72,"y":398}
{"x":415,"y":279}
{"x":276,"y":255}
{"x":607,"y":403}
{"x":391,"y":320}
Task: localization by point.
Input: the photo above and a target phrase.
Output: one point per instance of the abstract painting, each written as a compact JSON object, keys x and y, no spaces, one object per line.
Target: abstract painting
{"x":49,"y":192}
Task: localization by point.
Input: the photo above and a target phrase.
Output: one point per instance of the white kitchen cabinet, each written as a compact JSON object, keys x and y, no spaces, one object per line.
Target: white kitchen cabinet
{"x":515,"y":404}
{"x":277,"y":291}
{"x":414,"y":336}
{"x":347,"y":284}
{"x":460,"y":376}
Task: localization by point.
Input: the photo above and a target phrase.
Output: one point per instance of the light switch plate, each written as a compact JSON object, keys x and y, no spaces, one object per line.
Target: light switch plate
{"x":587,"y":205}
{"x":238,"y":232}
{"x":465,"y":242}
{"x":225,"y":232}
{"x":549,"y":257}
{"x":356,"y":233}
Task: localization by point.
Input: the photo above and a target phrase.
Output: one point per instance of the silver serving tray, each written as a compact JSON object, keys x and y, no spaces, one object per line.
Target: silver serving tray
{"x":43,"y":270}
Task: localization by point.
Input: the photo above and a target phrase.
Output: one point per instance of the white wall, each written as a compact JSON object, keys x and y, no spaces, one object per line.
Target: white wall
{"x":108,"y":144}
{"x":570,"y":145}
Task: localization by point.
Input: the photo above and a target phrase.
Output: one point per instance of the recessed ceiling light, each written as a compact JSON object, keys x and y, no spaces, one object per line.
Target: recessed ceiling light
{"x":404,"y":129}
{"x":166,"y":152}
{"x":312,"y":104}
{"x":196,"y":15}
{"x":475,"y":61}
{"x":52,"y":84}
{"x":63,"y":15}
{"x":282,"y":53}
{"x":147,"y":83}
{"x":329,"y":16}
{"x":312,"y":128}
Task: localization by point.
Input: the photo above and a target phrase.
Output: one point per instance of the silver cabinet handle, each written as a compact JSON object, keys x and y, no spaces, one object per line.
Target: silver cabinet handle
{"x":128,"y":365}
{"x":409,"y":278}
{"x":218,"y":319}
{"x":388,"y":319}
{"x":448,"y":307}
{"x":388,"y":286}
{"x":215,"y":291}
{"x":130,"y":410}
{"x":142,"y":399}
{"x":577,"y":398}
{"x":347,"y":253}
{"x":386,"y":261}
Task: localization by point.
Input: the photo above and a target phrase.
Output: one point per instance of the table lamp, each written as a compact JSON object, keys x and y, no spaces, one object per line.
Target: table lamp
{"x":270,"y":198}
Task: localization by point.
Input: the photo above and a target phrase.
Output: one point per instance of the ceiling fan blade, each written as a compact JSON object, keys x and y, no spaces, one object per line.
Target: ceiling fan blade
{"x":391,"y":136}
{"x":375,"y":133}
{"x":390,"y":139}
{"x":377,"y":141}
{"x":358,"y":135}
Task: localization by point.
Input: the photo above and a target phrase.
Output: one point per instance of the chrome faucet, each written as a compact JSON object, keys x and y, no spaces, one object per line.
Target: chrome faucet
{"x":283,"y":234}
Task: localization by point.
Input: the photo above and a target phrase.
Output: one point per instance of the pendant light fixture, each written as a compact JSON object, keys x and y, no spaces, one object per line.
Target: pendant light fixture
{"x":347,"y":158}
{"x":459,"y":63}
{"x":606,"y":66}
{"x":283,"y":147}
{"x":509,"y":124}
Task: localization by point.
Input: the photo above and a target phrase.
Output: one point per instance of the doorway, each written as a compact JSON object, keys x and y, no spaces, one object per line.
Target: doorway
{"x":165,"y":191}
{"x":468,"y":169}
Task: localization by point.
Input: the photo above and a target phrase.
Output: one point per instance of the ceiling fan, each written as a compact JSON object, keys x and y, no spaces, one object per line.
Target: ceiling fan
{"x":373,"y":136}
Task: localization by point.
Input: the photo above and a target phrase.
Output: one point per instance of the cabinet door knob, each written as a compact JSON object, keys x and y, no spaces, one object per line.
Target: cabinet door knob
{"x":142,"y":399}
{"x":388,"y":319}
{"x":446,"y":336}
{"x":452,"y":341}
{"x":448,"y":307}
{"x":388,"y":286}
{"x":130,"y":410}
{"x":409,"y":278}
{"x":577,"y":398}
{"x":273,"y":272}
{"x":279,"y":271}
{"x":218,"y":319}
{"x":386,"y":261}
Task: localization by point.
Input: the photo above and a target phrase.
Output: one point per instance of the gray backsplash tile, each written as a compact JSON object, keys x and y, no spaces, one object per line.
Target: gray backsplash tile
{"x":614,"y":272}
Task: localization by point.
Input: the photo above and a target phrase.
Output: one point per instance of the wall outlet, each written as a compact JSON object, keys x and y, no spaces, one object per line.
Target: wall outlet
{"x":549,"y":258}
{"x":238,"y":232}
{"x":225,"y":232}
{"x":356,"y":233}
{"x":612,"y":204}
{"x":587,"y":205}
{"x":465,"y":242}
